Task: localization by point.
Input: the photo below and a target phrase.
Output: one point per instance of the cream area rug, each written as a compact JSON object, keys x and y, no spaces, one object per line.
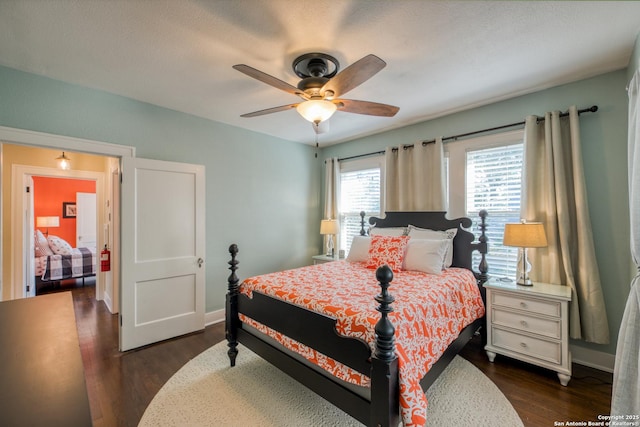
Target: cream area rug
{"x":207,"y":392}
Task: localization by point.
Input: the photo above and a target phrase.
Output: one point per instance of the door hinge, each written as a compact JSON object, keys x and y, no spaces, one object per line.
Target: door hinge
{"x":28,"y":189}
{"x":28,"y":288}
{"x":120,"y":320}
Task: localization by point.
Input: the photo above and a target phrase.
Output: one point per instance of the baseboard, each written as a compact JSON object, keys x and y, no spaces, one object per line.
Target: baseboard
{"x":107,"y":302}
{"x":592,"y":358}
{"x":213,"y":317}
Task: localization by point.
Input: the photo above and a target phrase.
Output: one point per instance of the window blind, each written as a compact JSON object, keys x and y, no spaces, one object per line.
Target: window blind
{"x":493,"y":182}
{"x":359,"y":191}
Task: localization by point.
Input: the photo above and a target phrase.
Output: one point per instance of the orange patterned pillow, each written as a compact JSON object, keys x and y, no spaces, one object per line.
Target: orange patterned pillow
{"x":387,"y":250}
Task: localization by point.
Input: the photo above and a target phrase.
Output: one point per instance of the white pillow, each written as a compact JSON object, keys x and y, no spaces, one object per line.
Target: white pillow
{"x":59,"y":246}
{"x":425,"y":233}
{"x":41,"y":245}
{"x":359,"y":249}
{"x":426,"y":255}
{"x":389,"y":231}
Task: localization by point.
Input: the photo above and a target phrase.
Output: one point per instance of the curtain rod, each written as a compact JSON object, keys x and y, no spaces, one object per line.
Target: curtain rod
{"x":591,"y":109}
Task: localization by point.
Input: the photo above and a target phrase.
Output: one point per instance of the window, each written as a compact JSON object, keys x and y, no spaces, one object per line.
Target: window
{"x":481,"y":173}
{"x":492,"y":181}
{"x":360,"y":190}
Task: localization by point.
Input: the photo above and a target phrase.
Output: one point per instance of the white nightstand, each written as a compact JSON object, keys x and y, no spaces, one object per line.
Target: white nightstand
{"x":321,"y":259}
{"x":530,"y":323}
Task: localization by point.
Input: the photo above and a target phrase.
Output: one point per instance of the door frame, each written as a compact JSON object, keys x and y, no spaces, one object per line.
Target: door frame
{"x":22,"y":231}
{"x":45,"y":140}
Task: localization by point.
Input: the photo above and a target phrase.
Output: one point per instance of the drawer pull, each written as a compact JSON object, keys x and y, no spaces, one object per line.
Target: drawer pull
{"x":524,"y":324}
{"x":523,"y":304}
{"x":523,"y":344}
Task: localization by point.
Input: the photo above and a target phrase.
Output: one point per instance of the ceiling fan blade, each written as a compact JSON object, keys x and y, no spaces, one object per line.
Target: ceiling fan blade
{"x":354,"y":75}
{"x":270,"y":110}
{"x":270,"y":80}
{"x":366,"y":107}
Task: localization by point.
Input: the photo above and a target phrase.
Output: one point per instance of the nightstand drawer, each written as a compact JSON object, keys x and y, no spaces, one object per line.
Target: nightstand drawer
{"x":551,"y":328}
{"x":532,"y":305}
{"x":549,"y":351}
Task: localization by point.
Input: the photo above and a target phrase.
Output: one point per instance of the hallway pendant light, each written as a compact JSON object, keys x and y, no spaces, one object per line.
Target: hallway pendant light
{"x":316,"y":110}
{"x":64,"y":162}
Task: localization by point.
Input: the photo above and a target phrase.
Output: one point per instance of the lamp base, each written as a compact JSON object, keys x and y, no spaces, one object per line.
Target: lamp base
{"x":330,"y":246}
{"x":523,"y":269}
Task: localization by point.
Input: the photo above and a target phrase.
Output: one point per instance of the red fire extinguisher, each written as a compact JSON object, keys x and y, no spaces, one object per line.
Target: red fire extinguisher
{"x":105,"y":259}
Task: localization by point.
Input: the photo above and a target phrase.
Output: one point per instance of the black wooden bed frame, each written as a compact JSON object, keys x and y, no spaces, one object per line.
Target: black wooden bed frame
{"x":318,"y":331}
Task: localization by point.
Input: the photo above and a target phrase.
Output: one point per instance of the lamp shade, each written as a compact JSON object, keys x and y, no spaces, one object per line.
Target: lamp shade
{"x":525,"y":235}
{"x":329,"y":226}
{"x":48,"y":221}
{"x":316,"y":110}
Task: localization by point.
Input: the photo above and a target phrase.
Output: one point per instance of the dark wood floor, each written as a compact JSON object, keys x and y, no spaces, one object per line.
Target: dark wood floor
{"x":121,"y":385}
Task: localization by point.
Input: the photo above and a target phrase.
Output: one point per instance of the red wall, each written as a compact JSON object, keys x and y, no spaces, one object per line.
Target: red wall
{"x":48,"y":196}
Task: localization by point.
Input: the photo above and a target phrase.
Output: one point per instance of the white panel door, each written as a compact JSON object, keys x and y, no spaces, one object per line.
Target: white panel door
{"x":86,"y":220}
{"x":162,"y":251}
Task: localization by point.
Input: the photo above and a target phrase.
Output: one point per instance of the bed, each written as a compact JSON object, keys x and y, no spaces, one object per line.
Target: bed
{"x":358,"y":365}
{"x":56,"y":260}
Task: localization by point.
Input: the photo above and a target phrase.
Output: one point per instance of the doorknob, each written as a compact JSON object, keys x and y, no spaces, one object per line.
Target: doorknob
{"x":200,"y":261}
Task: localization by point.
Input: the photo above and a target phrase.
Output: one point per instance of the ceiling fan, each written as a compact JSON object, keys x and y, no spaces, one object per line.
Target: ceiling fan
{"x":322,"y":86}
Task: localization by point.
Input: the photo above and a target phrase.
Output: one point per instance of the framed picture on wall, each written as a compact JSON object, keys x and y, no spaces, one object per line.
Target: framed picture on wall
{"x":69,"y":209}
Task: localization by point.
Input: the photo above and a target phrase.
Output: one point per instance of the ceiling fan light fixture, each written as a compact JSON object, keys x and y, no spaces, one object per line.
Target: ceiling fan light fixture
{"x":316,"y":110}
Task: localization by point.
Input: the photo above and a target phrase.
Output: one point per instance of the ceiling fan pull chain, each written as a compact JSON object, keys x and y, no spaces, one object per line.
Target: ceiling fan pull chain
{"x":316,"y":132}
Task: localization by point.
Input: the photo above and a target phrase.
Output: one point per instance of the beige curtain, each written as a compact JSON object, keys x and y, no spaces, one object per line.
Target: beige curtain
{"x":625,"y":398}
{"x":555,"y":194}
{"x":331,"y":180}
{"x":414,"y":178}
{"x":331,"y":195}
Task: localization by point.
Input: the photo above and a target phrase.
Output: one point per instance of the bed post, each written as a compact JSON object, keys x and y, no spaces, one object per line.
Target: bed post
{"x":362,"y":231}
{"x":483,"y":266}
{"x":385,"y":388}
{"x":231,"y":316}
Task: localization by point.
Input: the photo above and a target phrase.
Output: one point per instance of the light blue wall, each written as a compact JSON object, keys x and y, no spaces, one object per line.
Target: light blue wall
{"x":262,"y":193}
{"x":604,"y":143}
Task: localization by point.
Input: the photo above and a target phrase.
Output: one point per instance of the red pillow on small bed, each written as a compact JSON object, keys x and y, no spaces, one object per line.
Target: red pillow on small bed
{"x":387,"y":250}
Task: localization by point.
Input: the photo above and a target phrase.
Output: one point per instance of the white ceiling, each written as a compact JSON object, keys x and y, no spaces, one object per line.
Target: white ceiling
{"x":442,"y":56}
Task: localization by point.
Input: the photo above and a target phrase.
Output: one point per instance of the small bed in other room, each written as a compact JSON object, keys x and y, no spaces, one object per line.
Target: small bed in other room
{"x":56,"y":260}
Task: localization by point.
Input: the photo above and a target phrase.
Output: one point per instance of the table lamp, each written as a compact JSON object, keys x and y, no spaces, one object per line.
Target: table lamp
{"x":47,"y":221}
{"x":330,"y":227}
{"x":524,"y":235}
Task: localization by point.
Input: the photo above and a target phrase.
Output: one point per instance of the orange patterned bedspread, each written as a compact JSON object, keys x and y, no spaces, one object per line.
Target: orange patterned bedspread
{"x":429,"y":313}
